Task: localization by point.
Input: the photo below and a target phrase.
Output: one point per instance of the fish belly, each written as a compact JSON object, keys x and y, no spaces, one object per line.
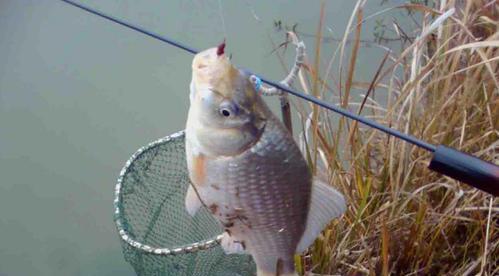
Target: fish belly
{"x":262,"y":197}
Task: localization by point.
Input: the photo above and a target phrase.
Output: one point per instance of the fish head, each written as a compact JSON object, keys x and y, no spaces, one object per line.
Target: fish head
{"x":226,"y":114}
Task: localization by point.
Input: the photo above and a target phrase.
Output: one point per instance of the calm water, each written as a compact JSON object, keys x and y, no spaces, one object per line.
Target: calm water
{"x":78,"y":95}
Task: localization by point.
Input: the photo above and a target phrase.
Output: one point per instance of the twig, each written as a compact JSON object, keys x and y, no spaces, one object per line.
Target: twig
{"x":487,"y":236}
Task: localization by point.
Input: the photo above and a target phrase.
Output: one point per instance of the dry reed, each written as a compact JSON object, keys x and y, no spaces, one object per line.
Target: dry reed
{"x":442,"y":87}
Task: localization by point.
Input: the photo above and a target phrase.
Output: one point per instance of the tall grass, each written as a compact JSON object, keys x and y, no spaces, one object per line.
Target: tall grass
{"x":442,"y":87}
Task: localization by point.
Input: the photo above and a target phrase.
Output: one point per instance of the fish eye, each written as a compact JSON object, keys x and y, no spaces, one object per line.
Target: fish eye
{"x":227,"y":109}
{"x":225,"y":112}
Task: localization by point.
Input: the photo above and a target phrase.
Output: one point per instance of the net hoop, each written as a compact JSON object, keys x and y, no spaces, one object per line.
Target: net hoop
{"x":118,"y":209}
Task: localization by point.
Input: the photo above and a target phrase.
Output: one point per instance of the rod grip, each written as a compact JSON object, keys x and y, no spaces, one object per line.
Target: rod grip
{"x":466,"y":168}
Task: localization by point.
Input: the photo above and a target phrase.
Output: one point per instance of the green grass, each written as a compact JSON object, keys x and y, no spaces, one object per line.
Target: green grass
{"x":403,"y":218}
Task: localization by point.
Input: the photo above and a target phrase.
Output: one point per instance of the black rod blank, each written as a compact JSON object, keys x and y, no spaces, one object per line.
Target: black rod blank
{"x":458,"y":165}
{"x":466,"y":168}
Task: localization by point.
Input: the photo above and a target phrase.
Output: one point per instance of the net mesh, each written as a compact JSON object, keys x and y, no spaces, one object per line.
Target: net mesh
{"x":158,"y":236}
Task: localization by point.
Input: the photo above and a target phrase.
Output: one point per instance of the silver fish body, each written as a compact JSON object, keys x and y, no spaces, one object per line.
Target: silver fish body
{"x":262,"y":196}
{"x":249,"y":172}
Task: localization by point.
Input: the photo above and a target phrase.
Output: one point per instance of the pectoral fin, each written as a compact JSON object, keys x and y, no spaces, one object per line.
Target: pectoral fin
{"x":192,"y":202}
{"x":325,"y":205}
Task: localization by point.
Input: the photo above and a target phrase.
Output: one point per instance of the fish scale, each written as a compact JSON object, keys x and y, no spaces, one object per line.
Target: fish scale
{"x":272,"y":201}
{"x":247,"y":169}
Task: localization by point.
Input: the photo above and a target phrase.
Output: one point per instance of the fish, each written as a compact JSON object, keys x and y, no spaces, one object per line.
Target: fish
{"x":248,"y":171}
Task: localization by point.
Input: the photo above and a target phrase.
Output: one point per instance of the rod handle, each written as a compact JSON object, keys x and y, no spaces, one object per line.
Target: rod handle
{"x":466,"y":168}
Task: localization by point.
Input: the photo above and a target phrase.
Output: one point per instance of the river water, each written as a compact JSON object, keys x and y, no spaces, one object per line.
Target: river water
{"x":79,"y":94}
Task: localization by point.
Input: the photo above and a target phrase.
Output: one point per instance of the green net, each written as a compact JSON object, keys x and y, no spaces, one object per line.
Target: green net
{"x":158,"y":236}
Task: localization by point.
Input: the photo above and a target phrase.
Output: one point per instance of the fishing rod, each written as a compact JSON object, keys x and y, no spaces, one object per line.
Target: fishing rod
{"x":458,"y":165}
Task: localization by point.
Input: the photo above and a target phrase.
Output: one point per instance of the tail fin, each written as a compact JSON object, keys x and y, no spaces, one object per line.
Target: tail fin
{"x":326,"y":204}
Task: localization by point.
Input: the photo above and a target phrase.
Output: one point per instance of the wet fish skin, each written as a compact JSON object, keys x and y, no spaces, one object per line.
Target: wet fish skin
{"x":247,"y":169}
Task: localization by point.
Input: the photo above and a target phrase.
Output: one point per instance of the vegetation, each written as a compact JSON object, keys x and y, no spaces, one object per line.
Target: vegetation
{"x":443,"y":87}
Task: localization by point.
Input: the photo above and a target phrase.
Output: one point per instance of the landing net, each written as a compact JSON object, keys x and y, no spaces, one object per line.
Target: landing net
{"x":158,"y":236}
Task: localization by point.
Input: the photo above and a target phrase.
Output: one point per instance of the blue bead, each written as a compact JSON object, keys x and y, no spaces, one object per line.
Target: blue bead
{"x":258,"y":83}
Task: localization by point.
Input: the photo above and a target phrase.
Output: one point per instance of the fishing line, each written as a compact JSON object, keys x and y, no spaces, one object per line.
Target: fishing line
{"x":220,"y":11}
{"x":458,"y":165}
